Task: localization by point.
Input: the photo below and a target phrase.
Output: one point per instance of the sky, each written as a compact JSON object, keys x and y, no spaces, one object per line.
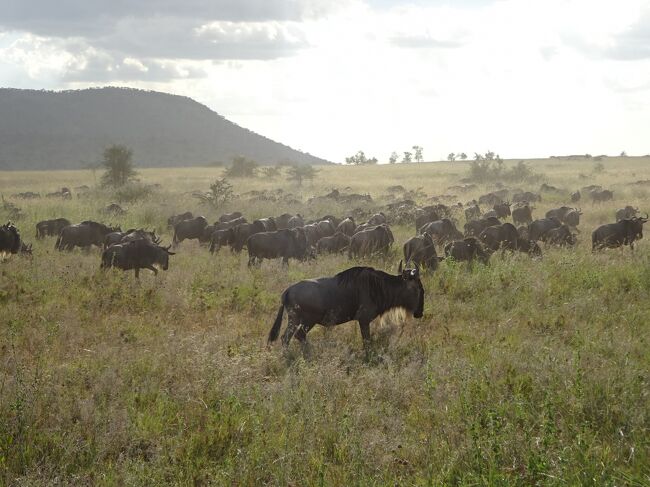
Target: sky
{"x":522,"y":78}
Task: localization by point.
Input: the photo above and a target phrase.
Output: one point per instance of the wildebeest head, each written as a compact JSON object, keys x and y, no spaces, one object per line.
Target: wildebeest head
{"x":413,"y":291}
{"x":162,"y":256}
{"x":635,"y":227}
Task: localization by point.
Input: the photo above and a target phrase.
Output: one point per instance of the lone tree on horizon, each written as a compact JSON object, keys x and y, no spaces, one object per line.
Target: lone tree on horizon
{"x":300,"y":172}
{"x":118,"y":162}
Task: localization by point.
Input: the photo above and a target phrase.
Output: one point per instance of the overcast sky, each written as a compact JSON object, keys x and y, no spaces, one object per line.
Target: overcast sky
{"x":523,"y":78}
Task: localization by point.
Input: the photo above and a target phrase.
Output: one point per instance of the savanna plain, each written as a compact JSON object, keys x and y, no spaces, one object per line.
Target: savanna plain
{"x":522,"y":372}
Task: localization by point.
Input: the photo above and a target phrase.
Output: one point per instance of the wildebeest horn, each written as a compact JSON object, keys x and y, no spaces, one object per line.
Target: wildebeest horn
{"x":399,"y":269}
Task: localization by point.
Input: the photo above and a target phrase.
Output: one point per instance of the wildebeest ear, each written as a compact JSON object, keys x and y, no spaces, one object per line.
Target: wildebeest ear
{"x":399,"y":269}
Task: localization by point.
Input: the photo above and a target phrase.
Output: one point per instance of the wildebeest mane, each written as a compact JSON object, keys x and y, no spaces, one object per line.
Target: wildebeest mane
{"x":380,"y":286}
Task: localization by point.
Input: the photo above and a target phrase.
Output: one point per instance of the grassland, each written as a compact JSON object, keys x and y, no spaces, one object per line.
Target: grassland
{"x":523,"y":372}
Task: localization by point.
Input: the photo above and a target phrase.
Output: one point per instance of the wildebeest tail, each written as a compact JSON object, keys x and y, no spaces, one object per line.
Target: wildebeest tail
{"x":275,"y":330}
{"x":57,"y":245}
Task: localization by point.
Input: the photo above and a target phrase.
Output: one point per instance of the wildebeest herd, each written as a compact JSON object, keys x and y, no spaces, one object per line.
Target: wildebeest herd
{"x":359,"y":293}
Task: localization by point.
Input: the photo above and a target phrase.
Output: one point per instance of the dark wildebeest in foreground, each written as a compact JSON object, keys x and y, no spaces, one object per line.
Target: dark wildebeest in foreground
{"x":9,"y":239}
{"x":475,"y":227}
{"x":560,"y":236}
{"x":370,"y":241}
{"x":136,"y":254}
{"x":613,"y":235}
{"x":626,"y":213}
{"x":377,"y":219}
{"x":559,"y":213}
{"x":572,"y":219}
{"x":83,"y":235}
{"x":288,"y":244}
{"x":539,"y":228}
{"x":333,"y":244}
{"x":347,"y":226}
{"x":51,"y":227}
{"x":421,"y":250}
{"x":424,"y":216}
{"x":441,"y":230}
{"x":602,"y":195}
{"x":359,"y":293}
{"x":189,"y":229}
{"x":172,"y":221}
{"x":468,"y":249}
{"x":522,"y":215}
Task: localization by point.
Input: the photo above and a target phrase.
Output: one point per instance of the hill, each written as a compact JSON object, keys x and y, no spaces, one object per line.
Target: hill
{"x":69,"y":129}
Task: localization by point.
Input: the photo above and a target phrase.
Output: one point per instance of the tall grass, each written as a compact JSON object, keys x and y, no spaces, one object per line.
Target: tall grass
{"x":521,"y":372}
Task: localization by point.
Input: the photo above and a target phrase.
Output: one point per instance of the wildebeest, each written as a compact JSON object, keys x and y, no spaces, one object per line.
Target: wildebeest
{"x":332,"y":219}
{"x":526,"y":197}
{"x":312,"y":232}
{"x":475,"y":227}
{"x":27,"y":195}
{"x":441,"y":230}
{"x":424,"y":216}
{"x":172,"y":221}
{"x":220,"y":238}
{"x":189,"y":229}
{"x":502,"y":209}
{"x":422,"y":251}
{"x":490,"y":199}
{"x":84,"y":235}
{"x":296,"y":222}
{"x":129,"y":236}
{"x":229,"y":224}
{"x":472,"y":213}
{"x":377,"y":219}
{"x":333,"y":244}
{"x":114,"y":209}
{"x":548,"y":188}
{"x":347,"y":226}
{"x":325,"y":228}
{"x":523,"y":232}
{"x":282,"y":221}
{"x":51,"y":227}
{"x":626,"y":213}
{"x":265,"y":224}
{"x":575,"y":197}
{"x":529,"y":246}
{"x":9,"y":239}
{"x":358,"y":293}
{"x":522,"y":215}
{"x":600,"y":196}
{"x":468,"y":250}
{"x":561,"y":236}
{"x":572,"y":218}
{"x":136,"y":254}
{"x":227,"y":217}
{"x":539,"y":228}
{"x":558,"y":213}
{"x":503,"y":237}
{"x":370,"y":241}
{"x":242,"y":232}
{"x":288,"y":244}
{"x":624,"y":232}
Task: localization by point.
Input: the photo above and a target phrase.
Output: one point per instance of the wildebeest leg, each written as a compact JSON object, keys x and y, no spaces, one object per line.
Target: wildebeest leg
{"x":301,"y":336}
{"x":285,"y":261}
{"x":293,"y":322}
{"x":364,"y":325}
{"x":152,"y":268}
{"x":137,"y":273}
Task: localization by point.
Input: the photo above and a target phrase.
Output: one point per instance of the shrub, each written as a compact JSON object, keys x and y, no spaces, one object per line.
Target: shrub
{"x":242,"y":168}
{"x":132,"y":191}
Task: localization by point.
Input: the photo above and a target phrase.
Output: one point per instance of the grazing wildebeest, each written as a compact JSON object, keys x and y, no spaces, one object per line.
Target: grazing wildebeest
{"x":575,"y":197}
{"x":441,"y":230}
{"x":539,"y":228}
{"x":526,"y":197}
{"x":467,"y":249}
{"x":613,"y":235}
{"x":572,"y":218}
{"x":421,"y":250}
{"x":475,"y":227}
{"x":503,"y":237}
{"x":372,"y":240}
{"x":358,"y":293}
{"x":561,"y":236}
{"x":522,"y":215}
{"x":220,"y":238}
{"x":9,"y":239}
{"x":424,"y":216}
{"x":172,"y":221}
{"x":288,"y":244}
{"x":626,"y":213}
{"x":490,"y":199}
{"x":472,"y":213}
{"x":136,"y":254}
{"x":333,"y":244}
{"x":51,"y":227}
{"x":377,"y":219}
{"x":84,"y":235}
{"x":228,"y":217}
{"x":530,"y":247}
{"x":502,"y":209}
{"x":241,"y":233}
{"x":600,"y":196}
{"x":347,"y":226}
{"x":189,"y":229}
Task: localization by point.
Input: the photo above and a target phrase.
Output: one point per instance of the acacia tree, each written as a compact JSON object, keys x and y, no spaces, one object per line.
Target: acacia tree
{"x":451,"y":157}
{"x":462,"y":156}
{"x":393,"y":158}
{"x":300,"y":172}
{"x":418,"y":153}
{"x":360,"y":158}
{"x":407,"y":157}
{"x":118,"y":162}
